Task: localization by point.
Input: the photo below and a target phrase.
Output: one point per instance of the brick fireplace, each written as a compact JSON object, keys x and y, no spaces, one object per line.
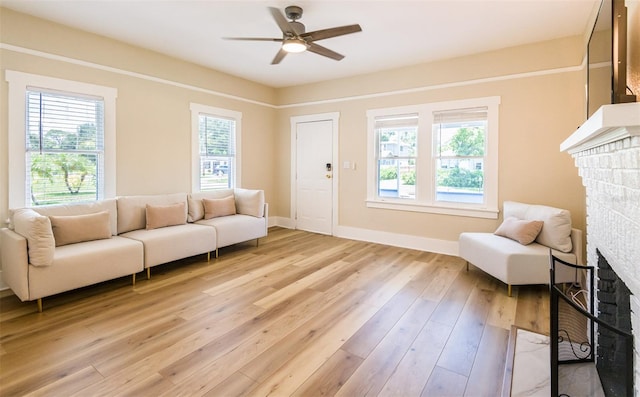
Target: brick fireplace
{"x":606,"y":149}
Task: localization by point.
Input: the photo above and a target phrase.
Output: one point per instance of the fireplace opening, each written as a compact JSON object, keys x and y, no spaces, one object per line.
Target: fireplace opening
{"x":591,"y":350}
{"x":614,"y":308}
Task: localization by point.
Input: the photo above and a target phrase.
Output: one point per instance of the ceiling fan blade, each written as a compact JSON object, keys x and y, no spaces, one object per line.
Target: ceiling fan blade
{"x":252,"y":39}
{"x":279,"y":56}
{"x":320,"y":50}
{"x":282,"y":22}
{"x":331,"y":32}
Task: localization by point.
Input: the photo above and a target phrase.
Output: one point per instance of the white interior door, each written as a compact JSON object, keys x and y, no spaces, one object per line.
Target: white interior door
{"x":314,"y":176}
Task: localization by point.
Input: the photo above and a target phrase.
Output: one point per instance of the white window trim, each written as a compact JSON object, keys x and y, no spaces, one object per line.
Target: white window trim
{"x":18,"y":83}
{"x":196,"y":110}
{"x":428,"y":203}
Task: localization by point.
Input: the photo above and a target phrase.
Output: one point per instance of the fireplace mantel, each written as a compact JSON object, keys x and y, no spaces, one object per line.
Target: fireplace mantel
{"x":608,"y":124}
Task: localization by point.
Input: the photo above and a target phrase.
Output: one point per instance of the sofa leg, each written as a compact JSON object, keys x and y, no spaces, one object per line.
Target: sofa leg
{"x":208,"y":256}
{"x":148,"y":273}
{"x":467,"y":265}
{"x":216,"y":253}
{"x":257,"y":242}
{"x":133,"y":281}
{"x":509,"y":290}
{"x":39,"y":305}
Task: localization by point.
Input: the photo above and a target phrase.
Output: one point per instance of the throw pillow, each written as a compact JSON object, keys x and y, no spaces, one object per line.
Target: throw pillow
{"x":36,"y":229}
{"x":522,"y":231}
{"x":165,"y":215}
{"x":214,"y":208}
{"x":195,"y":210}
{"x":78,"y":228}
{"x":250,"y":202}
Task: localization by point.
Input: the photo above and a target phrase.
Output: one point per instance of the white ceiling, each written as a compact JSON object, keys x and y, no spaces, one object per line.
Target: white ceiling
{"x":394,"y":33}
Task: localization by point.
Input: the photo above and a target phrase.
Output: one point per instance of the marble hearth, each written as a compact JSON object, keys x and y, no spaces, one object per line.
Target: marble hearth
{"x":606,"y":149}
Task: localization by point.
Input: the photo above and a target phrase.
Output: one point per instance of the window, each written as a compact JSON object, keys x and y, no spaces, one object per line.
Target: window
{"x":396,"y":155}
{"x":439,"y":157}
{"x":61,"y":140}
{"x":64,"y":148}
{"x":215,"y":137}
{"x":460,"y":137}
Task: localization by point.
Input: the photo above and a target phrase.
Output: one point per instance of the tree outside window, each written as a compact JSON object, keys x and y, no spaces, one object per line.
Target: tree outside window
{"x":460,"y":152}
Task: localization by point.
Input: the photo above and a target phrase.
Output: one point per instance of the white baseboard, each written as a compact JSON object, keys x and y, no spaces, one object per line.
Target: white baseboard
{"x":399,"y":240}
{"x":3,"y":286}
{"x":438,"y":246}
{"x":287,"y":223}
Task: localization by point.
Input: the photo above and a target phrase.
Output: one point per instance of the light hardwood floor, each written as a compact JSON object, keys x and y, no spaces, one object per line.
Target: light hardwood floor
{"x":301,"y":315}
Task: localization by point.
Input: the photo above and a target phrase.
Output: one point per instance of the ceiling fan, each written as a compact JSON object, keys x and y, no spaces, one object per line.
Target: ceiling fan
{"x":296,"y":39}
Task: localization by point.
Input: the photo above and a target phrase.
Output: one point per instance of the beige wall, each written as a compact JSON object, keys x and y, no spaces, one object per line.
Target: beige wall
{"x":542,"y":102}
{"x":153,"y":120}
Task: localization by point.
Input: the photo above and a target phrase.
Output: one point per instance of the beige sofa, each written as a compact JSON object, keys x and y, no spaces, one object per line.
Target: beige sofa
{"x":175,"y":240}
{"x":517,"y":256}
{"x":53,"y":249}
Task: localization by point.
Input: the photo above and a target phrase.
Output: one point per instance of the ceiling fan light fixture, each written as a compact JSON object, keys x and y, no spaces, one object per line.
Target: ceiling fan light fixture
{"x":294,"y":45}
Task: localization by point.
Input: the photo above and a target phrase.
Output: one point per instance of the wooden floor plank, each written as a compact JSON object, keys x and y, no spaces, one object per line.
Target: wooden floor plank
{"x":413,"y":372}
{"x":336,"y":317}
{"x":443,"y":382}
{"x":330,"y":377}
{"x":486,"y":380}
{"x":371,"y":376}
{"x":461,"y":348}
{"x":293,"y":374}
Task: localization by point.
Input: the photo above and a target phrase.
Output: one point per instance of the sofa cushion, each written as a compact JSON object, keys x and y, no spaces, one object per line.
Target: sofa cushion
{"x":214,"y":208}
{"x":36,"y":229}
{"x":79,"y":265}
{"x":132,"y":209}
{"x":250,"y":202}
{"x":167,"y":244}
{"x":165,"y":215}
{"x":522,"y":231}
{"x":78,"y":228}
{"x":556,"y":230}
{"x":196,"y":207}
{"x":91,"y":207}
{"x":236,"y":228}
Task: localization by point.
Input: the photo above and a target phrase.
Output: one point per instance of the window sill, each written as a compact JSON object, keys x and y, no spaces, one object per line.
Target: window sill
{"x":473,"y":212}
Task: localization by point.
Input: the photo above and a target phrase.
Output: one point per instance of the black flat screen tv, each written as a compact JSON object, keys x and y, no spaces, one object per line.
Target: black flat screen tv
{"x":607,"y":58}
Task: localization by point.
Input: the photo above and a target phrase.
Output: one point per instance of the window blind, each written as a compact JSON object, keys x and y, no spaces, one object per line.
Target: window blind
{"x":399,"y":121}
{"x":460,"y":115}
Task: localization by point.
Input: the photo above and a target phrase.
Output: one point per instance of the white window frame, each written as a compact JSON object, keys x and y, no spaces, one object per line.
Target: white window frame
{"x":18,"y":84}
{"x":426,"y":165}
{"x":198,"y":109}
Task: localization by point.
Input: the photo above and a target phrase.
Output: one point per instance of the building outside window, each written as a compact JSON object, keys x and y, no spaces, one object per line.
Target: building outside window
{"x":61,"y":140}
{"x":396,"y":141}
{"x":438,"y":157}
{"x":215,"y":136}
